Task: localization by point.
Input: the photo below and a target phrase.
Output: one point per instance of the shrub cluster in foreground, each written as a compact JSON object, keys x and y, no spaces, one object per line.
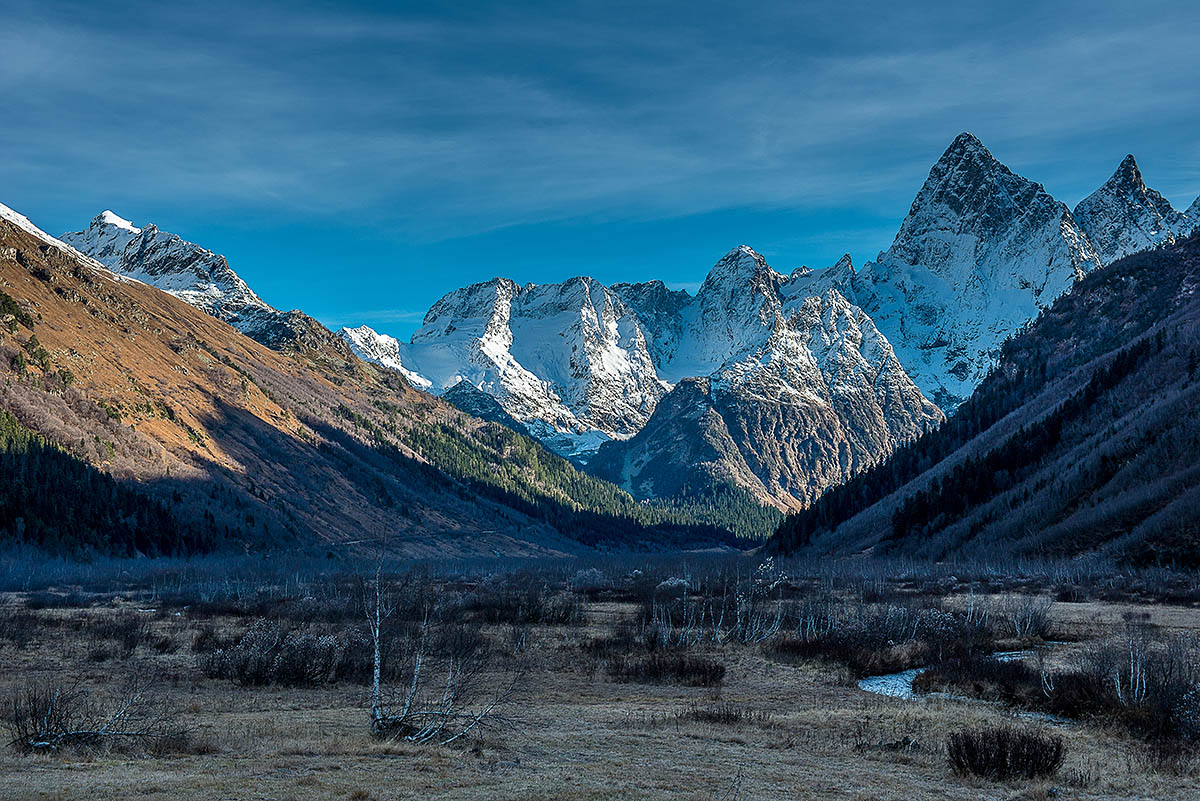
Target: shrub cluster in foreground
{"x":1005,"y":752}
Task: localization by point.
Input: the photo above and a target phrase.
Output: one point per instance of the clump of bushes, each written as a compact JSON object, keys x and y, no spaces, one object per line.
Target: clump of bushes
{"x":523,"y":603}
{"x":872,"y":639}
{"x":270,"y":654}
{"x":1012,"y":682}
{"x":723,"y":714}
{"x":1002,"y":753}
{"x":667,"y":668}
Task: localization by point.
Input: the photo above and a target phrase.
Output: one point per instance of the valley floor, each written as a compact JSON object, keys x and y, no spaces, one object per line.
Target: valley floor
{"x":807,"y":731}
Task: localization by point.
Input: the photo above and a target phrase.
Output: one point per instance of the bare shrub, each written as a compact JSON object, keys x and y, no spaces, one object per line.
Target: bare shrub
{"x":1141,"y":679}
{"x":1001,"y":753}
{"x":207,"y":640}
{"x":1028,"y":617}
{"x":48,"y":600}
{"x":723,"y":714}
{"x":589,"y":581}
{"x":50,"y":717}
{"x":270,"y":654}
{"x":667,"y":668}
{"x":1187,"y":714}
{"x":448,"y":690}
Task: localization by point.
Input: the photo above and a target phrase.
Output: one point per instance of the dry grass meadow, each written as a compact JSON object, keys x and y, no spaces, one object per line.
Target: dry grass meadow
{"x":773,"y":728}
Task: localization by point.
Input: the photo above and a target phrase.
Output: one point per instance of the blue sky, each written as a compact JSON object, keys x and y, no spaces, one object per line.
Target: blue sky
{"x":358,"y":160}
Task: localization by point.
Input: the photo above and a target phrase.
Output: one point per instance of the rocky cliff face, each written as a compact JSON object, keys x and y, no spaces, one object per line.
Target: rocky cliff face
{"x":981,"y":251}
{"x":1125,"y":216}
{"x":799,"y":389}
{"x":818,"y":396}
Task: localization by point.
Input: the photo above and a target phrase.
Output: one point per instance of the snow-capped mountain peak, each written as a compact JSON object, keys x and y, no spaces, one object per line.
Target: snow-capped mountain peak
{"x":108,"y":217}
{"x":189,"y":272}
{"x":580,"y":363}
{"x":981,"y":251}
{"x":1124,"y":215}
{"x":570,"y":360}
{"x":369,"y":345}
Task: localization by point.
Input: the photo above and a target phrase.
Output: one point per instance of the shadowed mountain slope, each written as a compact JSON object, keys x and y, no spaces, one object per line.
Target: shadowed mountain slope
{"x":1083,"y":439}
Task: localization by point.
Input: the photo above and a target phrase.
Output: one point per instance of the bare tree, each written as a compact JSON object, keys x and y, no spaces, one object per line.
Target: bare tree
{"x":377,"y":613}
{"x":429,"y":712}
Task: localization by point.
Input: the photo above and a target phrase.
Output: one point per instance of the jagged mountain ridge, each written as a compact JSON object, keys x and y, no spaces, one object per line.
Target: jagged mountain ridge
{"x":196,"y":276}
{"x":759,"y":337}
{"x":1125,"y":216}
{"x":280,"y":448}
{"x":1083,"y":440}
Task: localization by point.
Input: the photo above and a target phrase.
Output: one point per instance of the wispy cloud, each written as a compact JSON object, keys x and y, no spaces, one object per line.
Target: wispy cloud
{"x":445,"y":125}
{"x":418,"y":127}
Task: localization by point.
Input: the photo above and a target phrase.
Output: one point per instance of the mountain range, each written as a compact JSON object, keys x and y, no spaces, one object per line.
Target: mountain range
{"x":694,"y":415}
{"x":783,"y":385}
{"x":1083,"y":440}
{"x":214,"y":440}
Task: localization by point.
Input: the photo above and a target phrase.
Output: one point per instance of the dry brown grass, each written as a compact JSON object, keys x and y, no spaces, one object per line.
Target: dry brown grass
{"x":581,"y":736}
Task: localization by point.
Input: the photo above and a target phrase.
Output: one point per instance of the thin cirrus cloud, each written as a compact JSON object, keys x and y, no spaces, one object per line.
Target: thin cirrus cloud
{"x":421,"y":132}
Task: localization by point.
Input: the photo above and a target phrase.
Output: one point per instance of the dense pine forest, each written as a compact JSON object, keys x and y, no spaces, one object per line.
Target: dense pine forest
{"x":53,"y":500}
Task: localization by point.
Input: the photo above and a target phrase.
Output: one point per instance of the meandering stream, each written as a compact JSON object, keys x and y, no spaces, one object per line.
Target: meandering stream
{"x":900,"y":685}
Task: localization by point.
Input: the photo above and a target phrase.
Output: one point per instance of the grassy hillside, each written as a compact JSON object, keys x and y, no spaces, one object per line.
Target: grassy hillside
{"x":1084,"y":438}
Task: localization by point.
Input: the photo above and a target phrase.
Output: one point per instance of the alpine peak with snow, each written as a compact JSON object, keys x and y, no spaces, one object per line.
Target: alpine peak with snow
{"x":776,"y":385}
{"x":981,"y":251}
{"x":189,"y":272}
{"x":1125,"y":216}
{"x":581,"y":364}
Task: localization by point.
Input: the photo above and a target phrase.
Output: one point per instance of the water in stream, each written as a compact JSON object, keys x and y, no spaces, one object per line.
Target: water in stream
{"x":900,"y":685}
